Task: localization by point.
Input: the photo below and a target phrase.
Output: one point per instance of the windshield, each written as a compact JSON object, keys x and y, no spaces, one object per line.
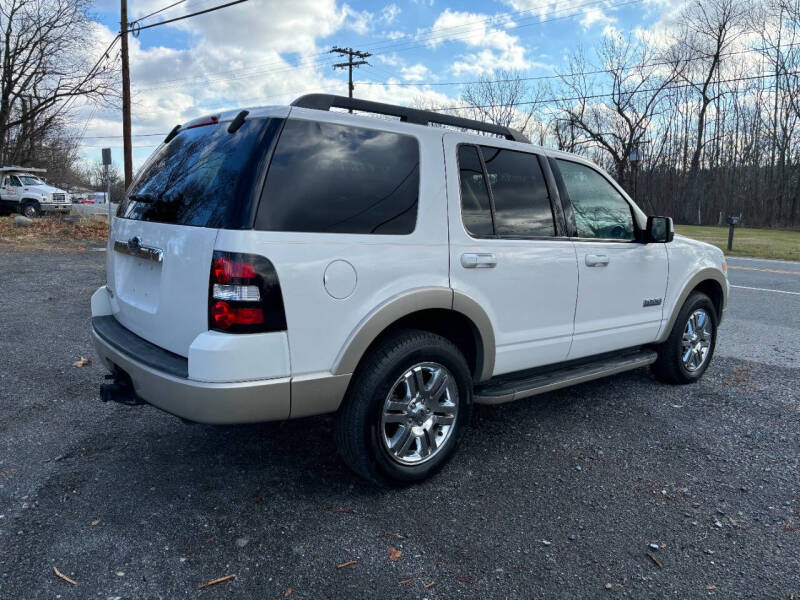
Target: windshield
{"x":205,"y":177}
{"x":30,"y":180}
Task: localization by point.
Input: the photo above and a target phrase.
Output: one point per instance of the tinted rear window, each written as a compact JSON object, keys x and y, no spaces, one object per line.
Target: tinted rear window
{"x":205,"y":177}
{"x":328,"y":178}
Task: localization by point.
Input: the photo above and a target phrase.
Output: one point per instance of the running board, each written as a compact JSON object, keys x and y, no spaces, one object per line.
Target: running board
{"x":506,"y":388}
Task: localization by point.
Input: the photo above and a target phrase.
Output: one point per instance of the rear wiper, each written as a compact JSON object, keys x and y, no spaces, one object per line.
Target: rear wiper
{"x":146,"y":198}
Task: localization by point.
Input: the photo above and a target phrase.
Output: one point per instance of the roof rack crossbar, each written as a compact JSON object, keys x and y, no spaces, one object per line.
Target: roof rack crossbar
{"x":408,"y":115}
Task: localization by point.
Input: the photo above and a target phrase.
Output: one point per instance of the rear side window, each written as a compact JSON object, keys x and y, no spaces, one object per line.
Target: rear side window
{"x":205,"y":177}
{"x":509,"y":198}
{"x":521,"y":201}
{"x":329,"y":178}
{"x":476,"y":210}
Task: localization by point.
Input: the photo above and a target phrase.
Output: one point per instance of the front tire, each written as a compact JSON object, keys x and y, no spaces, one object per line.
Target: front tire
{"x":406,"y":408}
{"x":687,"y":352}
{"x":31,"y":210}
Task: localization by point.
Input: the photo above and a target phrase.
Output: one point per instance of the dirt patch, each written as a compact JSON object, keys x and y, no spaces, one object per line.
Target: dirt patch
{"x":54,"y":234}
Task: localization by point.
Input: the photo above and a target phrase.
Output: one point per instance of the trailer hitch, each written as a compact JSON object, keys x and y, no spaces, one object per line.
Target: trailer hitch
{"x":120,"y":390}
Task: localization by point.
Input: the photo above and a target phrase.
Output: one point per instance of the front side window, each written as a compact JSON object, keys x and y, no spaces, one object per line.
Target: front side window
{"x":15,"y":181}
{"x":329,"y":178}
{"x":521,"y":201}
{"x":600,"y":210}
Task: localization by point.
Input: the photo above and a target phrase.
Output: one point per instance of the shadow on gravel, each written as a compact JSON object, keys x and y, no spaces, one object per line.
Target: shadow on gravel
{"x":303,"y":450}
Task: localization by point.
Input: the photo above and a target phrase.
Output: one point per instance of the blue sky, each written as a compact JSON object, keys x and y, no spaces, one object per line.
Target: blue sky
{"x":268,"y":52}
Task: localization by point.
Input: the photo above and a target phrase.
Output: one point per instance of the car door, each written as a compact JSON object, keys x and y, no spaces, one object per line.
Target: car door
{"x":622,"y":281}
{"x":11,"y":187}
{"x":508,"y":251}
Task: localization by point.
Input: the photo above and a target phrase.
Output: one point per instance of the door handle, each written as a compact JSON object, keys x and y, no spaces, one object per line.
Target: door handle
{"x":596,"y":260}
{"x":478,"y":261}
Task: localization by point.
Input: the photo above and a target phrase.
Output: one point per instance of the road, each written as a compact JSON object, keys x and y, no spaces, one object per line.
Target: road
{"x":622,"y":487}
{"x":763,"y":321}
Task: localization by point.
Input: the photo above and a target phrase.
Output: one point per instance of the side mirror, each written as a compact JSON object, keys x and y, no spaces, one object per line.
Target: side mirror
{"x":659,"y":230}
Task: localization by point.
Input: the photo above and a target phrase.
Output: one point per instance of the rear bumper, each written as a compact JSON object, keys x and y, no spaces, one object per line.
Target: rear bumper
{"x":159,"y":380}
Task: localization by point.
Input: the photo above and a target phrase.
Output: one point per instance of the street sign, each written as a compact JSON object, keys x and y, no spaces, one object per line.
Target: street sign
{"x":107,"y":156}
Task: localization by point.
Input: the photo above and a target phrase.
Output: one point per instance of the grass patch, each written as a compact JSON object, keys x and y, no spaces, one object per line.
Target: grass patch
{"x":53,"y":234}
{"x":759,"y":243}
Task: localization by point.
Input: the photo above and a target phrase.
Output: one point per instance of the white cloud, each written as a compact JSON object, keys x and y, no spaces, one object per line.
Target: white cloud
{"x":418,"y":72}
{"x":494,"y":48}
{"x":255,"y":55}
{"x":542,"y":8}
{"x":389,"y":13}
{"x":358,"y":21}
{"x":594,"y":15}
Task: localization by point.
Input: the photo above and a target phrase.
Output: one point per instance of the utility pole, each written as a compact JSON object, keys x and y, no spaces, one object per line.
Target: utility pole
{"x":126,"y":94}
{"x":350,"y":53}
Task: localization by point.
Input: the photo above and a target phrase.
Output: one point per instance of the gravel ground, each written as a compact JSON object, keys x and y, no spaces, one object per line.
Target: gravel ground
{"x":564,"y":495}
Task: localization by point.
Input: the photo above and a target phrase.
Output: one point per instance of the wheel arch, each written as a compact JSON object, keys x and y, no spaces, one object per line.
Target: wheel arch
{"x":439,"y":310}
{"x":709,"y":281}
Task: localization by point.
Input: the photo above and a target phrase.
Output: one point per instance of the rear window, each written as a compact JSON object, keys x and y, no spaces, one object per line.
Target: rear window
{"x":205,"y":177}
{"x":328,"y":178}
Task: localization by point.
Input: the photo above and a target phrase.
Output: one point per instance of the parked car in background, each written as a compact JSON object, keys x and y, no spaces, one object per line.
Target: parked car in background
{"x":292,"y":261}
{"x":25,"y":192}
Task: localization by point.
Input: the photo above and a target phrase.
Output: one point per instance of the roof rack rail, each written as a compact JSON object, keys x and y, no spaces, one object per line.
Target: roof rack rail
{"x":409,"y":115}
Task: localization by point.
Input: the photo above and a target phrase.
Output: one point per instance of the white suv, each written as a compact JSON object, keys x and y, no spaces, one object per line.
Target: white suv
{"x":293,"y":261}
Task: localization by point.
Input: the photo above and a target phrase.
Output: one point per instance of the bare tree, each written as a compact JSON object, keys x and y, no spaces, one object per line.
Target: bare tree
{"x":503,"y":98}
{"x":617,"y":120}
{"x":711,"y":26}
{"x":45,"y":65}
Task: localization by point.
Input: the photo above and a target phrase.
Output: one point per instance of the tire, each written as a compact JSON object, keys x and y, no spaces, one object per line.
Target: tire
{"x":31,"y":210}
{"x":369,"y":420}
{"x":697,"y":342}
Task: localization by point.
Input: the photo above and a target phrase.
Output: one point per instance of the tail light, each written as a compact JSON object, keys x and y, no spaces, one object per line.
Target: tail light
{"x":244,"y":294}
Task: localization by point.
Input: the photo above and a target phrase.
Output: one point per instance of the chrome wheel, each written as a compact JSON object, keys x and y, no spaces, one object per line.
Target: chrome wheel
{"x":696,"y":341}
{"x":30,"y":211}
{"x":419,"y":413}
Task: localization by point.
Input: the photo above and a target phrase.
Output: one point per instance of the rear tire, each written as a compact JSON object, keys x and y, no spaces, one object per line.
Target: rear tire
{"x":687,"y":352}
{"x":407,"y":406}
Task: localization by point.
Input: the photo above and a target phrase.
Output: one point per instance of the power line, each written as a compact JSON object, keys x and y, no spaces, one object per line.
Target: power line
{"x":569,"y":75}
{"x":73,"y":92}
{"x":181,"y":18}
{"x":160,"y":10}
{"x":609,"y":94}
{"x":453,"y":83}
{"x":556,"y":100}
{"x":441,"y":34}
